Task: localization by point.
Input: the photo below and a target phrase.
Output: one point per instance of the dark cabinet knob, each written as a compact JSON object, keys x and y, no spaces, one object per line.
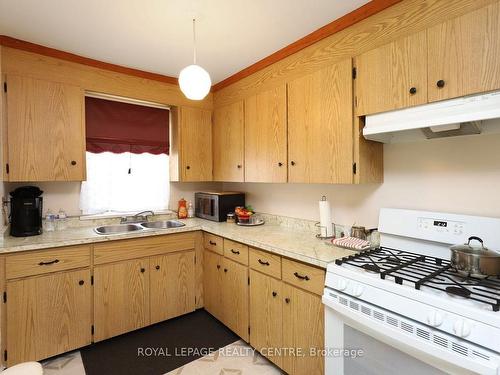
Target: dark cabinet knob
{"x":275,"y":294}
{"x":218,"y":266}
{"x":143,"y":270}
{"x":81,"y":282}
{"x":73,"y":162}
{"x":188,"y":167}
{"x":292,"y":162}
{"x":157,"y":267}
{"x":287,"y":300}
{"x":280,"y":164}
{"x":225,"y":269}
{"x":239,"y":166}
{"x":413,"y":90}
{"x":440,"y":83}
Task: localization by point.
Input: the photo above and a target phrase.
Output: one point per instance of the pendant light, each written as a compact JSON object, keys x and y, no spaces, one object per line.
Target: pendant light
{"x":193,"y":79}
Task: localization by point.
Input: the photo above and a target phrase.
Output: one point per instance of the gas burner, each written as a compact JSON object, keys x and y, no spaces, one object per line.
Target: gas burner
{"x":371,"y":268}
{"x":403,"y":267}
{"x":458,"y":291}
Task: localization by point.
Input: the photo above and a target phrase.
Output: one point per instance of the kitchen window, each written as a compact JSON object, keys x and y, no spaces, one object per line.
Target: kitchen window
{"x":127,"y":157}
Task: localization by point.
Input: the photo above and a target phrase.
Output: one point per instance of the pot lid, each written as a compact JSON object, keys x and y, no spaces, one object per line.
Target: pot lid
{"x":475,"y":248}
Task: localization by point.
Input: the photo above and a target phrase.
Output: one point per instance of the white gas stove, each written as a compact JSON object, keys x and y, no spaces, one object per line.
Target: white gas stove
{"x":407,"y":302}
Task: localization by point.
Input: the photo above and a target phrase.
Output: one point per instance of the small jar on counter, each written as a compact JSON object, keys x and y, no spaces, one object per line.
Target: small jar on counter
{"x":230,"y":218}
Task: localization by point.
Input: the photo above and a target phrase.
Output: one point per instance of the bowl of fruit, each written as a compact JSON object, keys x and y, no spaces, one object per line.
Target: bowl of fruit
{"x":244,"y":213}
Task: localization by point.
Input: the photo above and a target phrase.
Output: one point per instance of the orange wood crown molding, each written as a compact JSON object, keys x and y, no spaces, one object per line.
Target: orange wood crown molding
{"x":8,"y":41}
{"x":339,"y":24}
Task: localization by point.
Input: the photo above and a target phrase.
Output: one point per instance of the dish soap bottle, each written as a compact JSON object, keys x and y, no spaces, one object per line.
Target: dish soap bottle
{"x":190,"y":210}
{"x":182,"y":212}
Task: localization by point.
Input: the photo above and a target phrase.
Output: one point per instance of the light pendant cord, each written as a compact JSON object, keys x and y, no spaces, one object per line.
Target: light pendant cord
{"x":194,"y":41}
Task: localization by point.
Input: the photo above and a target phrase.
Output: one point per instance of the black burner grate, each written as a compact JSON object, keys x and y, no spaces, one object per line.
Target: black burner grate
{"x":419,"y":270}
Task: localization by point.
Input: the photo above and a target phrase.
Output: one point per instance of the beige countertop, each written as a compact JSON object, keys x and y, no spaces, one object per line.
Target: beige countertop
{"x":290,"y":242}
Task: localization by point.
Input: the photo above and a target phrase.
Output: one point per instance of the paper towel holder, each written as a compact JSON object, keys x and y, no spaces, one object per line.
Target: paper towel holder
{"x":319,"y":236}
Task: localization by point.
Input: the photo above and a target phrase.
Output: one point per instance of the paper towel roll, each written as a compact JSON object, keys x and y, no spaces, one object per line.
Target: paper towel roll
{"x":325,"y":218}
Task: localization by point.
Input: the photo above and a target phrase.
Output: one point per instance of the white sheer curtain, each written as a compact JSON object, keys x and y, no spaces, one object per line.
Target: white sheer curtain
{"x":110,"y":186}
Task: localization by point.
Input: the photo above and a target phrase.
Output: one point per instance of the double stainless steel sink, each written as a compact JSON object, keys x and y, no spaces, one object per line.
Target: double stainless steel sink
{"x":125,"y":228}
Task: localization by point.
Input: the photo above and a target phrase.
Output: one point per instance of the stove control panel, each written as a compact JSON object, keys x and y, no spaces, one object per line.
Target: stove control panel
{"x":428,"y":224}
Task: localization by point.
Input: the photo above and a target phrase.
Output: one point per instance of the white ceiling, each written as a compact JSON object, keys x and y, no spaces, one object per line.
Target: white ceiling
{"x":155,"y":35}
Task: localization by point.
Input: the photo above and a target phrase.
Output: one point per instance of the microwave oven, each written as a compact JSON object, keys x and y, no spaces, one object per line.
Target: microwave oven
{"x":216,"y":206}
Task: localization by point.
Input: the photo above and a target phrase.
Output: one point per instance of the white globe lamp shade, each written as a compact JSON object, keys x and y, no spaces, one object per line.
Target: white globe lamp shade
{"x":195,"y":82}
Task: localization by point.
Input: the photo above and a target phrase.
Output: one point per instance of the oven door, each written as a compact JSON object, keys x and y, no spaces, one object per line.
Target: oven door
{"x":361,"y":338}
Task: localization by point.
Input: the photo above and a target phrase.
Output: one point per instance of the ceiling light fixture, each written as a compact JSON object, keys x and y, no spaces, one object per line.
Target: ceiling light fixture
{"x":194,"y":81}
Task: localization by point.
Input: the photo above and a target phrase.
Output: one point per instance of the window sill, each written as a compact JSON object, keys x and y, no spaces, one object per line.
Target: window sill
{"x":114,"y":214}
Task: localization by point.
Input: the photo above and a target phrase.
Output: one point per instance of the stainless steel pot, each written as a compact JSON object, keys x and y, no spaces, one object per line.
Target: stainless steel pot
{"x":476,"y":261}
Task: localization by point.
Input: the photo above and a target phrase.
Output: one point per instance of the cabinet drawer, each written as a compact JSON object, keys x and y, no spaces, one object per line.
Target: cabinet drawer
{"x":264,"y":262}
{"x":213,"y":242}
{"x":303,"y":276}
{"x":46,"y":261}
{"x":236,"y":251}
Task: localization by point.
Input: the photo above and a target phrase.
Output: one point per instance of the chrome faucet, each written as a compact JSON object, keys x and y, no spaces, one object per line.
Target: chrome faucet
{"x":137,"y":218}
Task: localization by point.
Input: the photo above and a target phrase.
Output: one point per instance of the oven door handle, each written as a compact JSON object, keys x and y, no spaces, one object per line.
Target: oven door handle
{"x":409,"y":344}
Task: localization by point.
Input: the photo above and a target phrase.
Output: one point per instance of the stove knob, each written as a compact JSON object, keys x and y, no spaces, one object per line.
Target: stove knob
{"x":461,"y":328}
{"x":357,"y":290}
{"x":342,"y":284}
{"x":435,"y":318}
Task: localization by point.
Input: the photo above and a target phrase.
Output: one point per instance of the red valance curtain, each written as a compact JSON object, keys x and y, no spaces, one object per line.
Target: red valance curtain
{"x":122,"y":127}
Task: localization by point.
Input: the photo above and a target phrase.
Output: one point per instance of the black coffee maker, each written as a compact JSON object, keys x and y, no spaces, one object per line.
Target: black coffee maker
{"x":26,"y":211}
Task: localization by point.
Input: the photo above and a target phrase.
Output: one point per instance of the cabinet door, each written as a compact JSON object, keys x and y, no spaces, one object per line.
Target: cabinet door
{"x":228,"y":143}
{"x":48,"y":315}
{"x":392,"y":76}
{"x":172,"y":285}
{"x":464,"y":54}
{"x":212,"y":282}
{"x":196,"y":144}
{"x":266,"y":314}
{"x":121,"y":297}
{"x":235,"y":297}
{"x":45,"y":130}
{"x":303,"y":328}
{"x":320,"y":126}
{"x":265,"y":136}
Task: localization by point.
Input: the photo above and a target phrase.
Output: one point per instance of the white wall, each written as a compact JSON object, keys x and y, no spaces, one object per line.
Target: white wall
{"x":66,"y":195}
{"x":460,"y":175}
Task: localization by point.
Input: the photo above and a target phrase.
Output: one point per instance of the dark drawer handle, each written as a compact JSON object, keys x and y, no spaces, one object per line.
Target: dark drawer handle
{"x":235,"y":252}
{"x":287,"y":300}
{"x":275,"y":294}
{"x":81,"y":282}
{"x":263,"y":263}
{"x":297,"y":275}
{"x":49,"y":263}
{"x":157,"y":267}
{"x":143,"y":270}
{"x":212,"y":243}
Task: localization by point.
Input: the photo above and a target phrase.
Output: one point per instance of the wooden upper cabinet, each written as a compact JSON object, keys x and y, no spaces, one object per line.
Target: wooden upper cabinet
{"x":228,"y":143}
{"x":196,"y":144}
{"x":265,"y":136}
{"x":392,"y":76}
{"x":320,"y":126}
{"x":45,"y":130}
{"x":464,"y":54}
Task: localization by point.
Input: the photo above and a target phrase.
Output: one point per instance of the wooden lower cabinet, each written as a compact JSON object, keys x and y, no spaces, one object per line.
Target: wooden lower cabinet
{"x":266,"y":315}
{"x":48,"y":315}
{"x":172,"y":285}
{"x":303,"y":329}
{"x":235,"y":297}
{"x":121,"y":297}
{"x":212,"y":283}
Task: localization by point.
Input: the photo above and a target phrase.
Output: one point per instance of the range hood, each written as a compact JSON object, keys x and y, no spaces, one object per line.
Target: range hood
{"x":448,"y":118}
